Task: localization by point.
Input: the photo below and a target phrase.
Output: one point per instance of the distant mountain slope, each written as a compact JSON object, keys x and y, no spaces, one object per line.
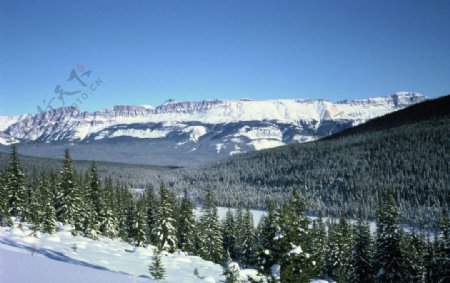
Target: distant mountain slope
{"x":346,"y":173}
{"x":186,"y":133}
{"x":431,"y":109}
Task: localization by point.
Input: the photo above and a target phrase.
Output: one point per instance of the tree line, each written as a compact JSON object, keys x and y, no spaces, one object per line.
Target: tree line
{"x":286,"y":246}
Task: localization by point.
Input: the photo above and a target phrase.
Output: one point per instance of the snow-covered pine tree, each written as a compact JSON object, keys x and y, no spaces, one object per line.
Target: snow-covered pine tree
{"x":156,"y":268}
{"x":186,"y":224}
{"x":249,"y":240}
{"x":123,"y":201}
{"x":443,"y":248}
{"x":69,"y":211}
{"x":413,"y":246}
{"x":294,"y":242}
{"x":49,"y":212}
{"x":389,"y":261}
{"x":362,"y":255}
{"x":339,"y":255}
{"x":210,"y":236}
{"x":151,"y":205}
{"x":165,"y":228}
{"x":15,"y":187}
{"x":35,"y":215}
{"x":3,"y":199}
{"x":267,"y":249}
{"x":97,"y":197}
{"x":231,"y":273}
{"x":140,"y":227}
{"x":228,"y":234}
{"x":108,"y":220}
{"x":319,"y":245}
{"x":239,"y":234}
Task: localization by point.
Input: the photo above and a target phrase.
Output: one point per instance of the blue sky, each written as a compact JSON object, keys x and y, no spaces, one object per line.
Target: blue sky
{"x":145,"y":52}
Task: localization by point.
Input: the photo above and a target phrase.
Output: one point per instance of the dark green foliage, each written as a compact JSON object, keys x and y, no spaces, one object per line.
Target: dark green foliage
{"x":229,"y":234}
{"x":319,"y":246}
{"x":69,"y":211}
{"x":165,"y":228}
{"x":268,"y":253}
{"x":15,"y":187}
{"x":156,"y":268}
{"x":209,"y":232}
{"x":293,"y":240}
{"x":362,"y":256}
{"x":186,"y":225}
{"x":389,"y":258}
{"x":339,"y":254}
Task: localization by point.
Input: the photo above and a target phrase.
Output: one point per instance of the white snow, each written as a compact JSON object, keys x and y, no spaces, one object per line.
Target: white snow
{"x":62,"y":257}
{"x":195,"y":132}
{"x":80,"y":125}
{"x":140,"y":133}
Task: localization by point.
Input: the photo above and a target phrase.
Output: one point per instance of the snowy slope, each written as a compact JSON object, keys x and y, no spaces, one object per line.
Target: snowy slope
{"x":62,"y":257}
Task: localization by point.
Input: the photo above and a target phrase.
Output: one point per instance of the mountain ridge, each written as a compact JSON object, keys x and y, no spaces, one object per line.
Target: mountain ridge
{"x":192,"y":132}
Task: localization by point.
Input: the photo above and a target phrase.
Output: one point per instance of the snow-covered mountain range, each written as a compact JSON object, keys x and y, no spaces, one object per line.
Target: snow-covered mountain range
{"x":179,"y":133}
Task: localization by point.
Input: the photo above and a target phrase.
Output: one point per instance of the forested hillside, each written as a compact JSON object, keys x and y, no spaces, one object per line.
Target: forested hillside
{"x":405,"y":153}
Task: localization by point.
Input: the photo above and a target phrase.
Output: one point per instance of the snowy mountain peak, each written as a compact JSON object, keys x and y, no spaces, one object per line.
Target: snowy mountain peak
{"x":210,"y":127}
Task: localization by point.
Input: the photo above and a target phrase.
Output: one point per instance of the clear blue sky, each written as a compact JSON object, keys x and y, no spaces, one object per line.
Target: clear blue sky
{"x":145,"y":52}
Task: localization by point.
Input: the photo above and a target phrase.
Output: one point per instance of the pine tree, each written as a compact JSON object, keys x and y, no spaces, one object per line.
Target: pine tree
{"x":140,"y":228}
{"x":362,"y":257}
{"x":339,"y":253}
{"x":443,"y":248}
{"x":231,"y":273}
{"x":413,"y":247}
{"x":268,"y":254}
{"x":165,"y":229}
{"x":151,"y":205}
{"x":109,"y":226}
{"x":228,"y":234}
{"x":249,"y":238}
{"x":186,"y":224}
{"x":389,"y":262}
{"x":237,"y":251}
{"x":156,"y":268}
{"x":294,"y":242}
{"x":211,"y":242}
{"x":69,"y":211}
{"x":319,"y":245}
{"x":15,"y":187}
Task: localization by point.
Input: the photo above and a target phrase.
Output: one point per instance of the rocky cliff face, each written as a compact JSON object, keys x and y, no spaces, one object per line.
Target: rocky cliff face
{"x":194,"y":131}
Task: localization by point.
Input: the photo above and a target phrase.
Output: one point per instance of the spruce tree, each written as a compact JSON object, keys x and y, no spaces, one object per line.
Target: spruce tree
{"x":237,"y":252}
{"x":413,"y":247}
{"x":294,"y":242}
{"x":229,"y":234}
{"x":156,"y":268}
{"x":140,"y":227}
{"x":165,"y":228}
{"x":319,"y":245}
{"x":443,"y":248}
{"x":69,"y":211}
{"x":210,"y":236}
{"x":109,"y":226}
{"x":362,"y":256}
{"x":186,"y":224}
{"x":151,"y":205}
{"x":249,"y":240}
{"x":15,"y":187}
{"x":268,"y":253}
{"x":389,"y":262}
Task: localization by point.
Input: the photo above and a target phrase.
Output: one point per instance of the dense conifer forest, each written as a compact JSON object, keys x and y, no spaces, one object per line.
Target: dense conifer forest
{"x":286,"y":246}
{"x":405,"y":153}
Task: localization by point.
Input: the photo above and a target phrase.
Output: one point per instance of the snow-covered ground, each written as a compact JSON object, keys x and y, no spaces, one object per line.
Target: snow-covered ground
{"x":39,"y":257}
